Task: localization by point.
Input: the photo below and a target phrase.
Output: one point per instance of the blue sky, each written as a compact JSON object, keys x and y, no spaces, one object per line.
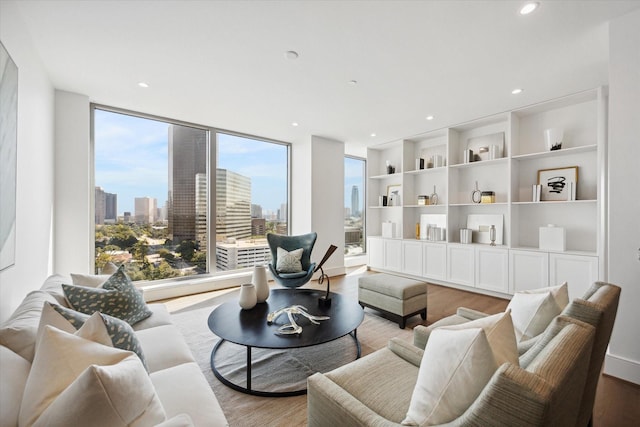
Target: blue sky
{"x":131,"y":160}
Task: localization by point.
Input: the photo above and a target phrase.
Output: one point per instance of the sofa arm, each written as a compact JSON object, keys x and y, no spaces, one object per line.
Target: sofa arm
{"x":469,"y":313}
{"x":330,"y":405}
{"x":463,"y":315}
{"x":406,"y":351}
{"x":512,"y":397}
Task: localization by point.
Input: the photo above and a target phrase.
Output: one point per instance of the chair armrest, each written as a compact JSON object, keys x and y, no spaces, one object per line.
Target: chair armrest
{"x":470,"y":313}
{"x":512,"y":397}
{"x":463,"y":315}
{"x":328,"y":404}
{"x":406,"y":351}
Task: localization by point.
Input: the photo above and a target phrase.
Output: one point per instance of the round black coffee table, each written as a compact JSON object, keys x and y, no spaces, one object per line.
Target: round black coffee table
{"x":249,"y":328}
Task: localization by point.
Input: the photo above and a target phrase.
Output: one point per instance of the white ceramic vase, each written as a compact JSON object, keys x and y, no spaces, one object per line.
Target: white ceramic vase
{"x":259,"y":280}
{"x":248,"y":297}
{"x":553,"y":138}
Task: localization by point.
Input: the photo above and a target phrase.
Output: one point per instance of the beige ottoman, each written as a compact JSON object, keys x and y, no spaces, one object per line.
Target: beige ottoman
{"x":396,"y":296}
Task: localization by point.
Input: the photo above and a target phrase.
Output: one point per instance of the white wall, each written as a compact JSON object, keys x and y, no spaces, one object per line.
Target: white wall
{"x":623,"y":360}
{"x":73,"y":178}
{"x":34,"y":198}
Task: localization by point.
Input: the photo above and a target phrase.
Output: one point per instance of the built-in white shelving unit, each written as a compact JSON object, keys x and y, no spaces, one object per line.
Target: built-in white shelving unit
{"x":511,"y":176}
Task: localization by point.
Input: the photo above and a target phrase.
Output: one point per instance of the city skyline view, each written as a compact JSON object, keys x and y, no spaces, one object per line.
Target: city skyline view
{"x":131,"y":156}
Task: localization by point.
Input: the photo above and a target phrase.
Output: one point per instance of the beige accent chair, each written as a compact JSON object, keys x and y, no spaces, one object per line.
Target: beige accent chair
{"x":598,"y":307}
{"x":553,"y":386}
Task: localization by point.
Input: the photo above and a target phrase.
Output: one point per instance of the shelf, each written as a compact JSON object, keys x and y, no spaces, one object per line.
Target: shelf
{"x":478,"y":204}
{"x":385,"y":207}
{"x":389,"y":175}
{"x":556,"y":153}
{"x":425,"y":171}
{"x":557,"y":202}
{"x":480,"y":163}
{"x":425,"y":206}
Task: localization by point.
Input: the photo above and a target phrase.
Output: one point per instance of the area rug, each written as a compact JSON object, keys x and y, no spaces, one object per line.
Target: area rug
{"x":278,"y":370}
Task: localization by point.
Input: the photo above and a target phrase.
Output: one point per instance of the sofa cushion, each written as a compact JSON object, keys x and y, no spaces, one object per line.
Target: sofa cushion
{"x":120,"y":332}
{"x":289,"y":262}
{"x":117,"y":297}
{"x":59,"y":370}
{"x":532,"y":313}
{"x":159,"y":317}
{"x":20,"y":330}
{"x":458,"y":362}
{"x":181,"y":420}
{"x":14,"y":371}
{"x":118,"y":394}
{"x":373,"y":378}
{"x":183,"y":389}
{"x":163,"y":347}
{"x":53,"y":285}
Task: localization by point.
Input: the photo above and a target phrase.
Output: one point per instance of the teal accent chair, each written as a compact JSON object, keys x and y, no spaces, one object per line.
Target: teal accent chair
{"x":290,"y":243}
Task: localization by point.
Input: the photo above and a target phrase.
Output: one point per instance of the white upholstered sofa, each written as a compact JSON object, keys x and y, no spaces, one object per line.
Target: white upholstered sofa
{"x":181,"y":388}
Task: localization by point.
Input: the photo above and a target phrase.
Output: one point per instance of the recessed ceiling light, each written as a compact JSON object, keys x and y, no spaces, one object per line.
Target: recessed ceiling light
{"x":429,"y":117}
{"x":516,"y":91}
{"x":528,"y":8}
{"x":294,"y":124}
{"x":291,"y":54}
{"x":143,"y":84}
{"x":373,"y":135}
{"x":353,"y":82}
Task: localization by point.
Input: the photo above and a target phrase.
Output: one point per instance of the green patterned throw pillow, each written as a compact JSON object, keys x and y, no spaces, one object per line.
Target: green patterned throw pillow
{"x":289,"y":262}
{"x":121,"y":333}
{"x":117,"y":297}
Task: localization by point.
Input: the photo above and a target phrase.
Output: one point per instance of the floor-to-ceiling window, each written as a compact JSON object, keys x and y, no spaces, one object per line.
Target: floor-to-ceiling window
{"x":354,"y":205}
{"x":163,"y":213}
{"x":252,"y":196}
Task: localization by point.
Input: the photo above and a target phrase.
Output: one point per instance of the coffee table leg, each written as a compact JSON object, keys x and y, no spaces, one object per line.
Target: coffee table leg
{"x":249,"y":368}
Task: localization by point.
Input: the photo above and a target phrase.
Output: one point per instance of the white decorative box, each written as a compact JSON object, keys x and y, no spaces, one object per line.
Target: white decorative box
{"x":388,"y":229}
{"x":552,"y":238}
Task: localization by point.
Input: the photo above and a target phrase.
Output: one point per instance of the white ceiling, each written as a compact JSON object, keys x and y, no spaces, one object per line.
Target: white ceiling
{"x":221,"y":63}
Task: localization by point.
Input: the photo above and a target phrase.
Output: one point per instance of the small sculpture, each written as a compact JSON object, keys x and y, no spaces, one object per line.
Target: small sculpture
{"x":292,"y":327}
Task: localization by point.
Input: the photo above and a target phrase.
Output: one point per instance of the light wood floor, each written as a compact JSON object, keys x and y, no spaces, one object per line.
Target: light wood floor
{"x":617,"y":402}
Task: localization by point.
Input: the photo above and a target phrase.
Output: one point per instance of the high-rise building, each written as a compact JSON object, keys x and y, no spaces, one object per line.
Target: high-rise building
{"x":201,"y":209}
{"x":256,"y":211}
{"x":100,"y":205}
{"x":187,"y":158}
{"x":106,"y":206}
{"x":145,"y":210}
{"x":258,"y":226}
{"x":355,"y":201}
{"x":283,"y":213}
{"x":233,"y":205}
{"x":110,"y":206}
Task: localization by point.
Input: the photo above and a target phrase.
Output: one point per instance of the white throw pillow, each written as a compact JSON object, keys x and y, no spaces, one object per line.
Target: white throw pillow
{"x":289,"y":262}
{"x":559,"y":293}
{"x":14,"y":371}
{"x":457,"y":364}
{"x":532,"y":313}
{"x":62,"y":358}
{"x":89,"y":280}
{"x":105,"y":396}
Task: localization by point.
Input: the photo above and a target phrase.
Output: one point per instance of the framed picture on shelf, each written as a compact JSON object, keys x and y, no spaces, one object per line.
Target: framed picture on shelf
{"x":559,"y":184}
{"x":393,"y":195}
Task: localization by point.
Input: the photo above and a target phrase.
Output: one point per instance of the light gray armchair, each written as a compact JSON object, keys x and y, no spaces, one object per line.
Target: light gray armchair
{"x":554,"y":385}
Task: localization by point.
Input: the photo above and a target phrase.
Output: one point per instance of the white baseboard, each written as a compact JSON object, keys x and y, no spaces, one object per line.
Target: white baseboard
{"x":620,"y":367}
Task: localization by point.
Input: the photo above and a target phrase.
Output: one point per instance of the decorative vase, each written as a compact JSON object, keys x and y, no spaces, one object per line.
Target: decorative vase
{"x":553,"y":138}
{"x":247,"y":296}
{"x":259,"y":280}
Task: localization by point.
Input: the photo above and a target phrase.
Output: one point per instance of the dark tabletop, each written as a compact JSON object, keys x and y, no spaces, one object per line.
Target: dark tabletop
{"x":249,"y":327}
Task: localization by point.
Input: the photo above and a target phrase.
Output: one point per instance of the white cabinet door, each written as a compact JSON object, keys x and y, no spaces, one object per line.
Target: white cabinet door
{"x":434,"y":261}
{"x":460,"y":264}
{"x":393,"y":254}
{"x":412,"y":257}
{"x":579,"y":271}
{"x":528,"y":270}
{"x":375,"y":250}
{"x":492,"y":268}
